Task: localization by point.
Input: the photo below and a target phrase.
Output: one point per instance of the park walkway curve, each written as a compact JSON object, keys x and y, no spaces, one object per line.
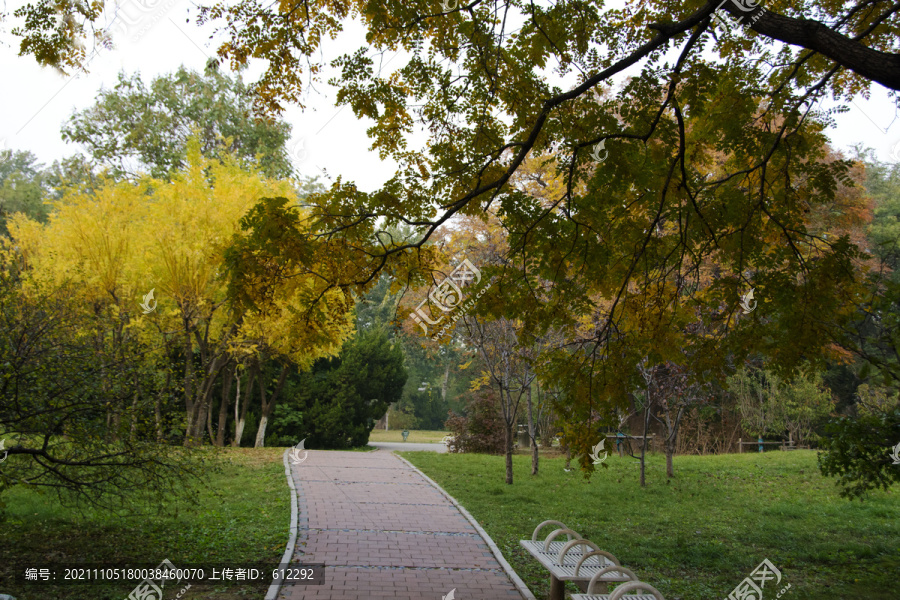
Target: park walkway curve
{"x":384,"y":530}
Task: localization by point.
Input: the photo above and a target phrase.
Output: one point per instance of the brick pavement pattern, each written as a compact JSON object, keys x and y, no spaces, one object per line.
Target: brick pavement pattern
{"x":382,"y":531}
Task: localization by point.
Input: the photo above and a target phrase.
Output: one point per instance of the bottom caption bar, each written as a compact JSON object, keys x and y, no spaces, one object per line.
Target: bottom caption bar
{"x":150,"y":577}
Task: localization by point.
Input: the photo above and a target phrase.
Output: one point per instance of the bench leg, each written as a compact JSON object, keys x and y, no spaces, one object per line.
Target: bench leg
{"x":557,"y":589}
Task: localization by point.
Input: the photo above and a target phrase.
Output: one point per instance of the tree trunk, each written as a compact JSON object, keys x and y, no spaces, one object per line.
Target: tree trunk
{"x":188,"y":385}
{"x":261,"y":432}
{"x":672,"y":439}
{"x":240,"y":420}
{"x":446,"y":383}
{"x":134,"y":409}
{"x":509,"y":453}
{"x":200,"y":420}
{"x":670,"y":452}
{"x":644,"y":441}
{"x":203,"y":398}
{"x":223,"y":406}
{"x":268,"y":406}
{"x":209,"y":427}
{"x":157,"y":416}
{"x":531,"y":436}
{"x":647,"y":374}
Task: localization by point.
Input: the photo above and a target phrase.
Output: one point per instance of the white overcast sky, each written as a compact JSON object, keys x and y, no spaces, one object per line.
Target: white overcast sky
{"x":36,"y":101}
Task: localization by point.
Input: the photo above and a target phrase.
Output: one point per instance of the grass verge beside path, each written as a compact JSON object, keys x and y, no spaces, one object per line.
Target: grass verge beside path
{"x":243,"y":517}
{"x":415,"y":436}
{"x":699,"y":535}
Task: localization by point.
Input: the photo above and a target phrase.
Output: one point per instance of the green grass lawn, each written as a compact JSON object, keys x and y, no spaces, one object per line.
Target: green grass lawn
{"x":243,"y":517}
{"x":699,"y":535}
{"x":415,"y":436}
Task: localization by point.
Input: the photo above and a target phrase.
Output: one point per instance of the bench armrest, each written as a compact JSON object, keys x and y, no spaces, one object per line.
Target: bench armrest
{"x":572,"y":544}
{"x":559,"y":532}
{"x":635,"y":585}
{"x":541,"y":526}
{"x":602,"y":553}
{"x":599,"y":574}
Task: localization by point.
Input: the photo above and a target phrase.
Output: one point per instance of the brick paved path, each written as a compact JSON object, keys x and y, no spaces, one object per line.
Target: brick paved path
{"x":384,"y":532}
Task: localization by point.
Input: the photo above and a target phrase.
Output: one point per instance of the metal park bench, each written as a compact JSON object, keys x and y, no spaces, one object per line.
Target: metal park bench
{"x":782,"y":445}
{"x":580,"y":567}
{"x":622,"y":592}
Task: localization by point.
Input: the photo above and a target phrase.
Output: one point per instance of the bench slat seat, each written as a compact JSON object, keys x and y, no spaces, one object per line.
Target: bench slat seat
{"x":607,"y":597}
{"x":536,"y":549}
{"x":634,"y":590}
{"x":566,"y":571}
{"x":564,"y":563}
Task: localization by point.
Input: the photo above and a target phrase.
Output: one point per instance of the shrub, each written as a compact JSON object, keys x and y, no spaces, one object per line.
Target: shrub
{"x":402,"y":418}
{"x":859,"y":452}
{"x":340,"y":399}
{"x":482,"y":429}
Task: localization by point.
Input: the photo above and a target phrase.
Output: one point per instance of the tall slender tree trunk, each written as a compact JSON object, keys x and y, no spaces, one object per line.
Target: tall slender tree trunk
{"x":200,"y":419}
{"x":509,"y":419}
{"x":531,"y":434}
{"x":445,"y":384}
{"x":267,"y":407}
{"x":240,"y":420}
{"x":188,"y":385}
{"x":509,"y":453}
{"x":157,"y":406}
{"x":223,"y":405}
{"x":647,"y":374}
{"x":134,"y":410}
{"x":157,"y":416}
{"x":672,"y":439}
{"x":203,"y":399}
{"x":209,"y":427}
{"x":644,"y":440}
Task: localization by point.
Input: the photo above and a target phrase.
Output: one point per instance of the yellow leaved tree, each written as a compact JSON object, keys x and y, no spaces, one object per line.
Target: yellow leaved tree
{"x":124,"y":241}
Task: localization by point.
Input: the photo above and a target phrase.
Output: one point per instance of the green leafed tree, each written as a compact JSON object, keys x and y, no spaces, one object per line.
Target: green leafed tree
{"x":859,"y":452}
{"x":23,"y":187}
{"x":341,"y":398}
{"x":136,"y":128}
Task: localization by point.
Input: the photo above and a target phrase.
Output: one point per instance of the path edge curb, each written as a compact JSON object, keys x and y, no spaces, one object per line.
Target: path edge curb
{"x":272,"y":594}
{"x":513,"y":576}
